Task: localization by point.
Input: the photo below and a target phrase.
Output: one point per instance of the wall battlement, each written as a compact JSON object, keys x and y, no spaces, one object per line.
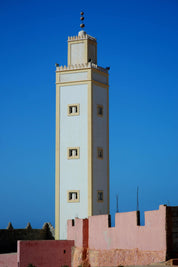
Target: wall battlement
{"x":155,"y":241}
{"x":126,"y":234}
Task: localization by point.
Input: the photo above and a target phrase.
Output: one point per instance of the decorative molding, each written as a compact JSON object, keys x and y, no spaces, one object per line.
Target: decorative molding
{"x":82,"y":37}
{"x":81,"y":66}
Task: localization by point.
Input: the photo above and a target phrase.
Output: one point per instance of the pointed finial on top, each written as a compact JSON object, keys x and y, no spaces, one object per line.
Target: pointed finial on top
{"x":10,"y":227}
{"x":82,"y":25}
{"x":29,"y":227}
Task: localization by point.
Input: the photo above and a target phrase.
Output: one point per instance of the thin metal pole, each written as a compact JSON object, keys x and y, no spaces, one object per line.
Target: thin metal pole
{"x":117,"y":204}
{"x":137,"y":198}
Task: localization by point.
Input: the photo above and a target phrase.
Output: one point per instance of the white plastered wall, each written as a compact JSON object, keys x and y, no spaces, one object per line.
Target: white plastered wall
{"x":73,"y":172}
{"x":77,"y":53}
{"x":92,"y":53}
{"x":72,"y":77}
{"x":99,"y":78}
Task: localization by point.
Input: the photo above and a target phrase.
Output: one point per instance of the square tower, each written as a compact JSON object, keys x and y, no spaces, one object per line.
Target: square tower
{"x":82,"y":135}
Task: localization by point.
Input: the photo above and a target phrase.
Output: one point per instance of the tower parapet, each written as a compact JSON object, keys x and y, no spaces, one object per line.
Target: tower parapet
{"x":81,"y":66}
{"x":81,"y":36}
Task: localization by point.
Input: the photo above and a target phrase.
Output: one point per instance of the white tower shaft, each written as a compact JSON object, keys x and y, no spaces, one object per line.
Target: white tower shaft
{"x":82,"y":135}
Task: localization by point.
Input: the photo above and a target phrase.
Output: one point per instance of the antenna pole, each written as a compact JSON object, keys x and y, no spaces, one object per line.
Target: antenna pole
{"x":137,"y":199}
{"x":117,"y":203}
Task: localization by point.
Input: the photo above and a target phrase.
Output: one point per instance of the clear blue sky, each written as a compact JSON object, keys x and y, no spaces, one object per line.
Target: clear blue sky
{"x":139,"y":41}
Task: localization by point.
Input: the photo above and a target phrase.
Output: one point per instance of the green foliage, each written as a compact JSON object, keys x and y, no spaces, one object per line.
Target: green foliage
{"x":31,"y":265}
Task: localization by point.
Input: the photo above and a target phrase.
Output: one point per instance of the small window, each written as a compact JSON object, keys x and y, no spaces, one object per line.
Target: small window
{"x":100,"y":110}
{"x":73,"y":196}
{"x":73,"y":152}
{"x":73,"y":109}
{"x":99,"y":153}
{"x":100,"y":197}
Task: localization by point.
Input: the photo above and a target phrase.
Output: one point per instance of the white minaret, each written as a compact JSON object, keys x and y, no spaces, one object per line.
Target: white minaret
{"x":82,"y":134}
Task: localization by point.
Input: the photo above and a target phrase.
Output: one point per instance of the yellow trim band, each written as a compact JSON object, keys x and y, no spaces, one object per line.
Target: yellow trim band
{"x":57,"y":166}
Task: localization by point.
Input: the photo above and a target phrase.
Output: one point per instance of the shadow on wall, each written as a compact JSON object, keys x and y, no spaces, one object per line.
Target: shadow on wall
{"x":10,"y":236}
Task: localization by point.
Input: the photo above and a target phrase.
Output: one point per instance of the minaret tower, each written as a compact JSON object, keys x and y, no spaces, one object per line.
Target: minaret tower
{"x":82,"y":134}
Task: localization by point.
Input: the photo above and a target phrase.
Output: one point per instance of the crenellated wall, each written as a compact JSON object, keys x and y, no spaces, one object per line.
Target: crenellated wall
{"x":10,"y":236}
{"x":98,"y":244}
{"x":78,"y":231}
{"x":81,"y":37}
{"x":127,"y":243}
{"x":127,"y":234}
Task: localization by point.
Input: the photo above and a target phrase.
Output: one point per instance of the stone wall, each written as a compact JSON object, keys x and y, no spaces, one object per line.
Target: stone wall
{"x":10,"y":236}
{"x":123,"y":257}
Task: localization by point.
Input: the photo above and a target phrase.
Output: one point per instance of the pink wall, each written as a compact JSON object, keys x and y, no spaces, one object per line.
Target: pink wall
{"x":8,"y":260}
{"x":78,"y":232}
{"x":44,"y":253}
{"x":125,"y":244}
{"x":126,"y":234}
